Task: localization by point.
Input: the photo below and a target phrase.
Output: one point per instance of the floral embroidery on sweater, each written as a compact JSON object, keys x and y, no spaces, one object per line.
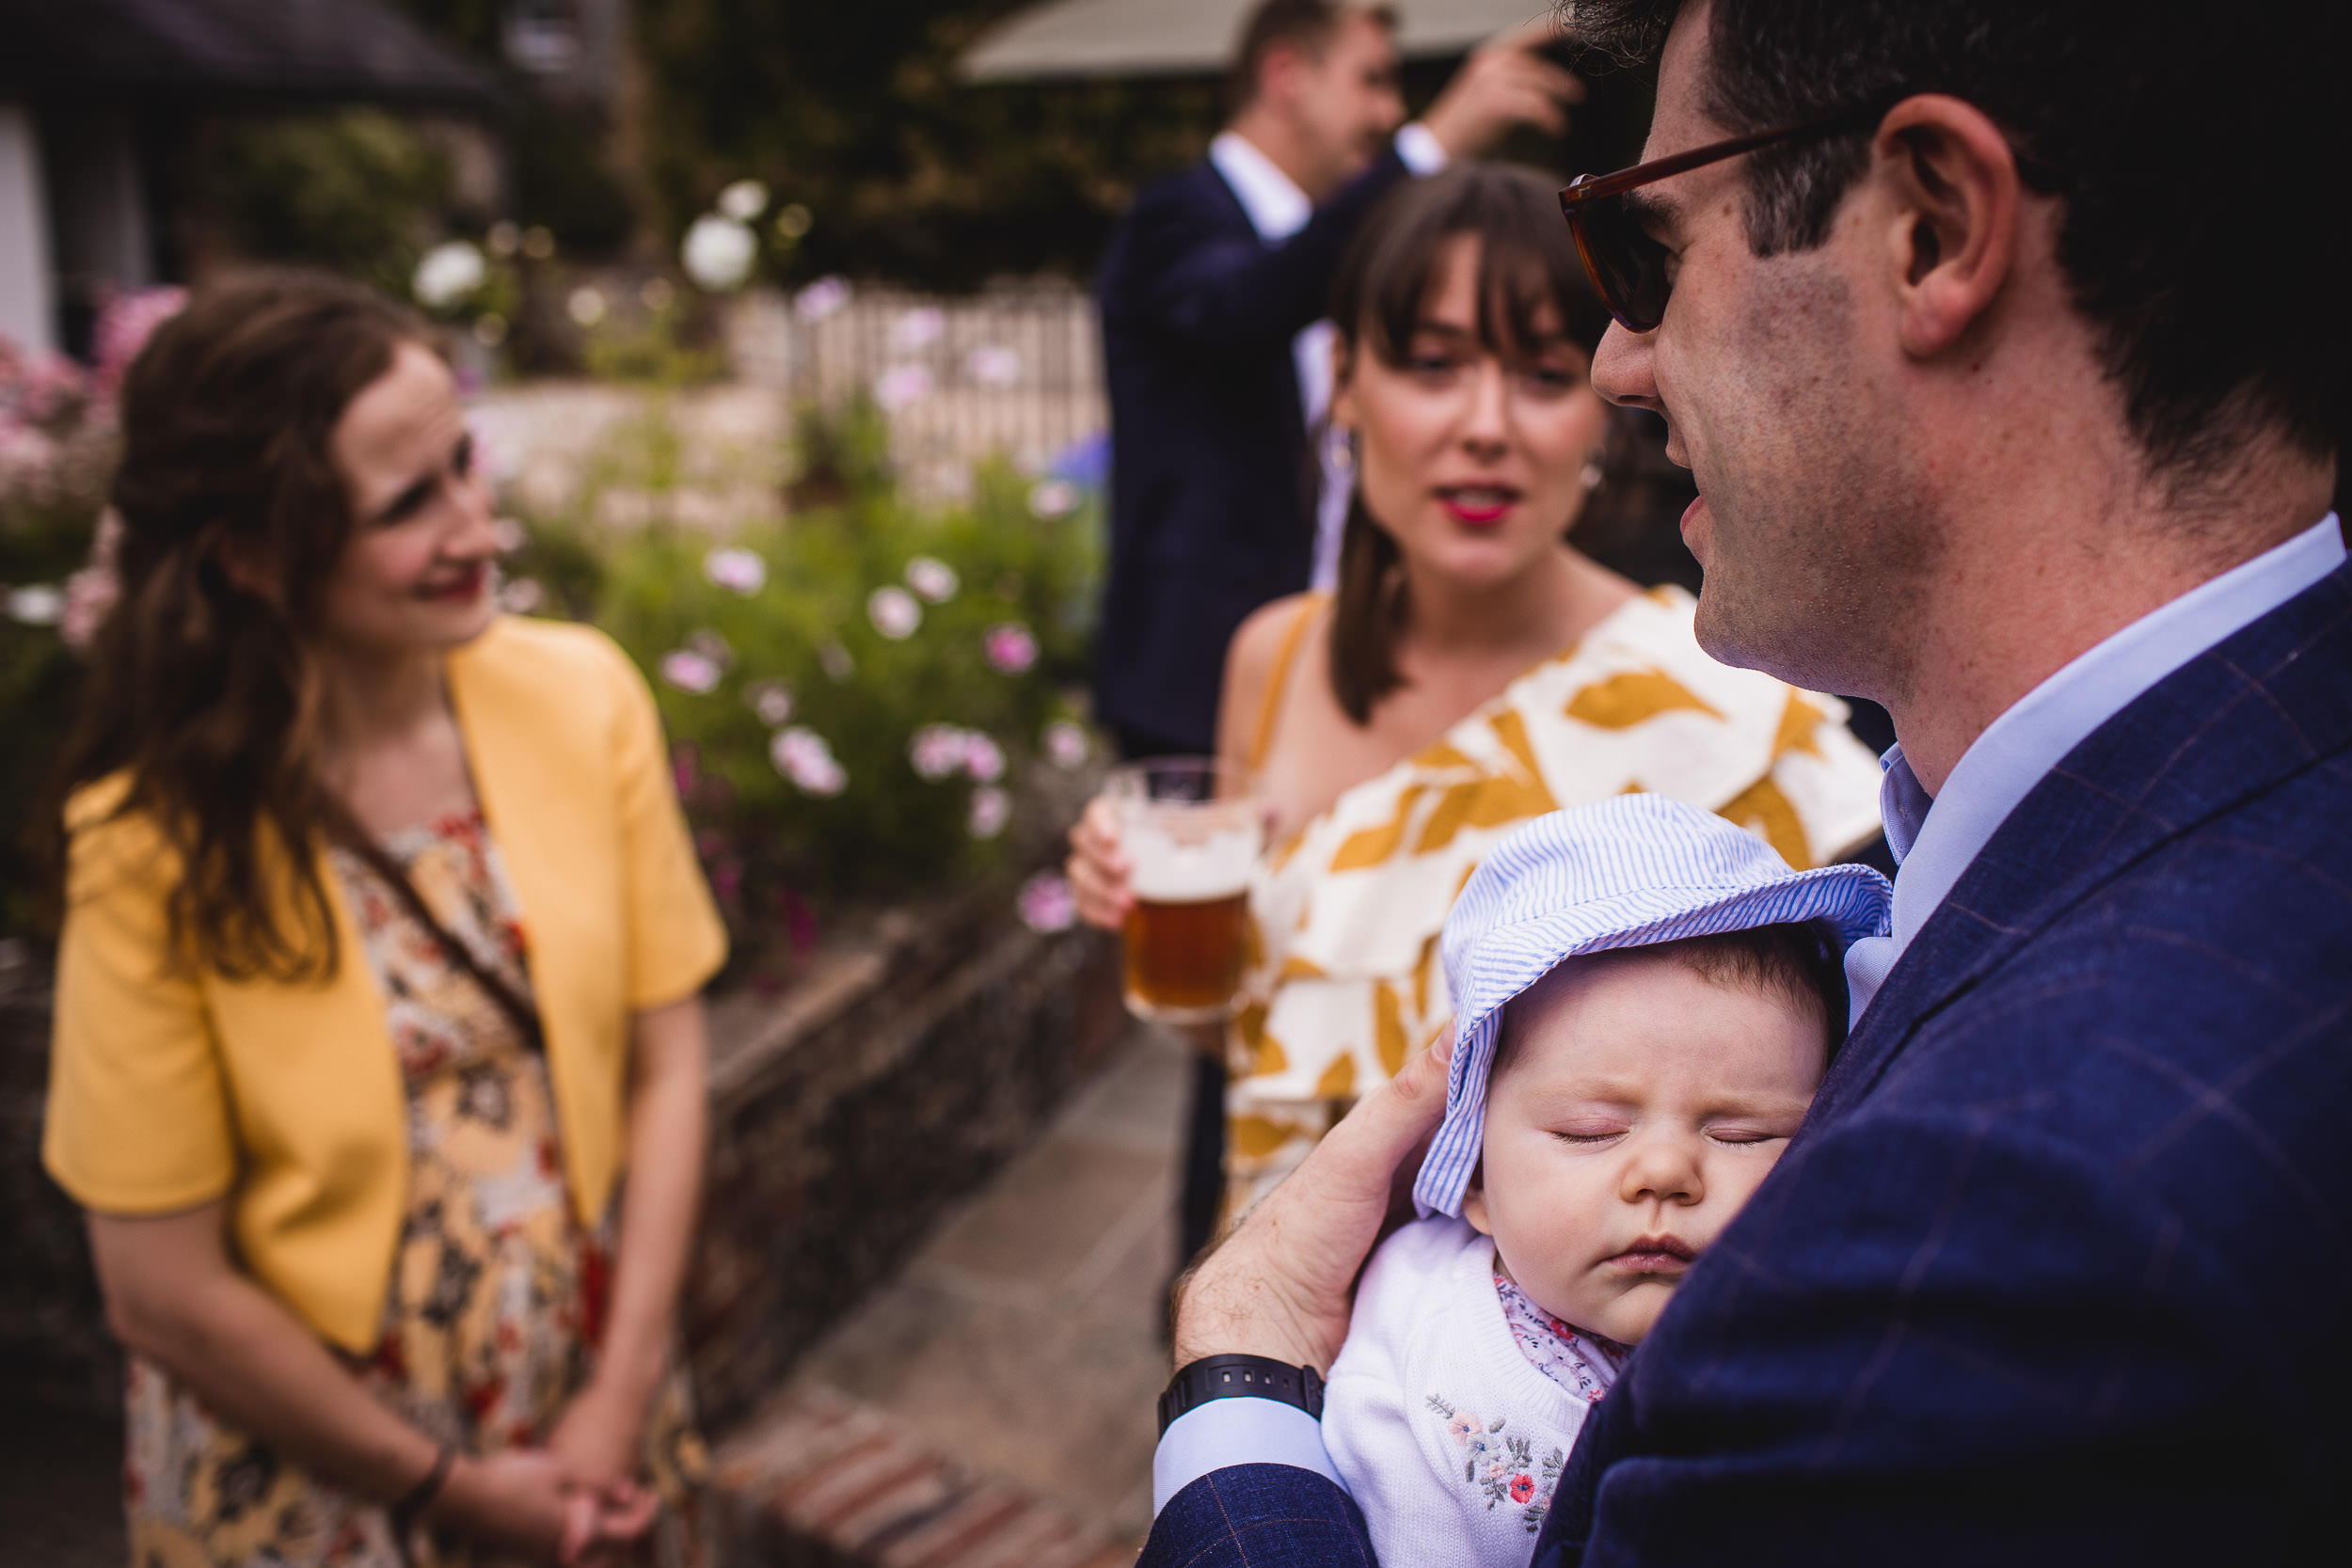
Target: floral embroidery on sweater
{"x":1501,"y":1465}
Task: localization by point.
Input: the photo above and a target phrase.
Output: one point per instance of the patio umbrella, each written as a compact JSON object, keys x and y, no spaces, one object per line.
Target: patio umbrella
{"x":1184,"y":38}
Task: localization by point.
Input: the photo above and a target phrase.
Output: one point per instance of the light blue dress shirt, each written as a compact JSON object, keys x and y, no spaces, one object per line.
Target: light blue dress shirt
{"x":1934,"y":840}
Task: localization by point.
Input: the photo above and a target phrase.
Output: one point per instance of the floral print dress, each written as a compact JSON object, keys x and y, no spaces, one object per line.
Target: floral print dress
{"x":496,"y":1292}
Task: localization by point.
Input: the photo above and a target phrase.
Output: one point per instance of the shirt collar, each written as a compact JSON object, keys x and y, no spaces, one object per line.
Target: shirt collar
{"x":1276,"y":206}
{"x":1935,"y":839}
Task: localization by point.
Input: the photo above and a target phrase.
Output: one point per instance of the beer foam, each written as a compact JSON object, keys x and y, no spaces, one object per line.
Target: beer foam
{"x":1192,"y":870}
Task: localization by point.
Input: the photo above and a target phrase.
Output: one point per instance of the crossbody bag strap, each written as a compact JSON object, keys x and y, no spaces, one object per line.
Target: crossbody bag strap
{"x":347,"y":832}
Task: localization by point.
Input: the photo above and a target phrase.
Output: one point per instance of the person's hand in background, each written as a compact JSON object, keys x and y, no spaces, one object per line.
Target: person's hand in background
{"x":1503,"y":86}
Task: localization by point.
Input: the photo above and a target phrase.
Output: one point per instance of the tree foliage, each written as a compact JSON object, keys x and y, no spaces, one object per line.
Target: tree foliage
{"x":855,"y":112}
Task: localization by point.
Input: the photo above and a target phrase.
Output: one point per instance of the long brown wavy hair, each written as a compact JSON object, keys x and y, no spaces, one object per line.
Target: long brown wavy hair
{"x":1526,"y":262}
{"x":205,"y":693}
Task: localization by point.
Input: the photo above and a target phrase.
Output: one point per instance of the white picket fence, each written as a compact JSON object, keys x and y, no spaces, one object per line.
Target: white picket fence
{"x":1016,"y":370}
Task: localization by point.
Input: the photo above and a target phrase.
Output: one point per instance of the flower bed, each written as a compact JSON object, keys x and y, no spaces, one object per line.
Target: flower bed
{"x":864,"y":698}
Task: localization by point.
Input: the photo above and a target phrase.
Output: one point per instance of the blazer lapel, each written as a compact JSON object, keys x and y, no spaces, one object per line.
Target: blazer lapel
{"x":2261,"y":705}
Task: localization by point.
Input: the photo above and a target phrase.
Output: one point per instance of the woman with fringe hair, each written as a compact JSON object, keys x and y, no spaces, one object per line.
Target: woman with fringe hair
{"x":1471,"y":670}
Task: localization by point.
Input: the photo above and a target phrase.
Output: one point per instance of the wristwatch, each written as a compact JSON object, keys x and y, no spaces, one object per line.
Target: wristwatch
{"x":1225,"y":1377}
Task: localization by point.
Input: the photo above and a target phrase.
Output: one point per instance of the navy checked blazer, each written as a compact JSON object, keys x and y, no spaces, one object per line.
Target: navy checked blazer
{"x":1212,"y":476}
{"x":2060,"y":1269}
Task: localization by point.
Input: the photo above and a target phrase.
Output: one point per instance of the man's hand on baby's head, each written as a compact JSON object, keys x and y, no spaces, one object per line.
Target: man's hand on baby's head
{"x":1280,"y":1285}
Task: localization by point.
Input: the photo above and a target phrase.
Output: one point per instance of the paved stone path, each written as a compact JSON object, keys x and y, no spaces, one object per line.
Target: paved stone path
{"x":996,"y":1398}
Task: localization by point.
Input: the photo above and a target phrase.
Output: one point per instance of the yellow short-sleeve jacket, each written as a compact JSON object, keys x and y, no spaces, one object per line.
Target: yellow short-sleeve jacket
{"x":170,"y":1089}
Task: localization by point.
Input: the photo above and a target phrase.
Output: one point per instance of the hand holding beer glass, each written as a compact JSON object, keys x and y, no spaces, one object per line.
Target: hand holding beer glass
{"x":1164,"y":857}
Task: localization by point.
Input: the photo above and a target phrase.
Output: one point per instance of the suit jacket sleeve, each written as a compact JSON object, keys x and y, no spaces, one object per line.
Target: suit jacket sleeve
{"x":1226,"y":290}
{"x":1258,"y":1515}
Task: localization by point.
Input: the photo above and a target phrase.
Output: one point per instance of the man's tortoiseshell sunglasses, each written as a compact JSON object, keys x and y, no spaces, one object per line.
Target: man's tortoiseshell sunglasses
{"x":1626,"y":266}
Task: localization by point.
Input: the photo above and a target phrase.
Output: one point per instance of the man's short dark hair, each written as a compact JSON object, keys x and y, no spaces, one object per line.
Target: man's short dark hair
{"x":1303,"y":25}
{"x":2200,"y":160}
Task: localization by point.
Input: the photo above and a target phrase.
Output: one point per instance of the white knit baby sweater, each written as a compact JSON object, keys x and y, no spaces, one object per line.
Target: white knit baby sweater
{"x":1444,"y":1432}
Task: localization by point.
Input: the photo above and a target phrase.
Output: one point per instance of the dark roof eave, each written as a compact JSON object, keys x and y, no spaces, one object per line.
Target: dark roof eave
{"x":226,"y":52}
{"x":191,"y":92}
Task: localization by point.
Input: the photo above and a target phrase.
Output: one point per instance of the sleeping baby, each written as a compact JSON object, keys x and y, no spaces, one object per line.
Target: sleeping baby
{"x":1645,"y":999}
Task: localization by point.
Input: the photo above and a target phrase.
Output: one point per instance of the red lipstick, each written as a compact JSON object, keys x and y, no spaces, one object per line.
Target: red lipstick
{"x":462,"y":589}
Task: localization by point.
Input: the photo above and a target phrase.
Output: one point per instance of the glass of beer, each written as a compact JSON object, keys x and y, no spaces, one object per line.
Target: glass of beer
{"x":1192,"y":828}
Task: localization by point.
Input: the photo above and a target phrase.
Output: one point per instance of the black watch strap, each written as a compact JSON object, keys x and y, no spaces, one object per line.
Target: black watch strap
{"x":1225,"y":1377}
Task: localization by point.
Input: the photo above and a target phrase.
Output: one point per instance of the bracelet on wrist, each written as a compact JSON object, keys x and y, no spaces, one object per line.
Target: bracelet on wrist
{"x":420,"y":1497}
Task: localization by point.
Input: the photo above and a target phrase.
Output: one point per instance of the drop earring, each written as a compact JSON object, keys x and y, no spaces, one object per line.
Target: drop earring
{"x":1339,"y":443}
{"x":1592,"y":476}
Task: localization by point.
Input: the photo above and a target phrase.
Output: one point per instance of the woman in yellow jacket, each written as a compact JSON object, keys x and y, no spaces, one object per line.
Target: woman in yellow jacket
{"x":381,"y":957}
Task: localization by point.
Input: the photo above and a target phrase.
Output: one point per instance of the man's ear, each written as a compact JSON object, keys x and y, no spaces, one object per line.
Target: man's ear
{"x":1280,"y":72}
{"x":1954,"y":229}
{"x":1474,"y":1201}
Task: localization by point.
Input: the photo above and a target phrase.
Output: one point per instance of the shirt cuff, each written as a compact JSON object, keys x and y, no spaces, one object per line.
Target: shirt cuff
{"x":1419,"y":149}
{"x":1239,"y":1430}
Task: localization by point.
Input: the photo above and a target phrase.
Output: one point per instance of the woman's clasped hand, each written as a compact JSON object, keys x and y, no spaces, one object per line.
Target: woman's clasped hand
{"x":537,"y":1504}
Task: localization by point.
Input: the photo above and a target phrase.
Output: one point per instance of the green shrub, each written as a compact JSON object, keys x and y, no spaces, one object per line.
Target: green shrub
{"x":812,"y":645}
{"x":356,"y":191}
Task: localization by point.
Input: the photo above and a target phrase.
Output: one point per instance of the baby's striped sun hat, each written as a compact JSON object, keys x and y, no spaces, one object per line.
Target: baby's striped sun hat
{"x":1626,"y":872}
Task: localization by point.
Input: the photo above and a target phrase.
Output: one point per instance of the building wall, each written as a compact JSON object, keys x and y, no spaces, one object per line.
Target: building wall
{"x":27,"y":295}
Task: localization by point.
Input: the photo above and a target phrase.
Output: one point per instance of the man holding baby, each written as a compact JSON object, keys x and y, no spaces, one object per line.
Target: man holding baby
{"x":2009,"y":360}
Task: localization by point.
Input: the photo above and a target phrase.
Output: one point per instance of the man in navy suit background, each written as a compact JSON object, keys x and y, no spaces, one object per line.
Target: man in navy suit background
{"x":1209,"y":288}
{"x":1994,"y":422}
{"x":1213,"y":288}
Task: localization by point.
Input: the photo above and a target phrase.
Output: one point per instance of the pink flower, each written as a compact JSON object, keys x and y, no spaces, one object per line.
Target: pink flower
{"x":937,"y":751}
{"x":1046,"y":904}
{"x":932,"y":579}
{"x":91,"y":592}
{"x":982,"y":757}
{"x":820,"y":299}
{"x":993,"y":365}
{"x":691,"y":671}
{"x":126,"y":323}
{"x":46,"y":386}
{"x":1010,"y":648}
{"x":1461,"y":1426}
{"x":805,"y":757}
{"x":894,"y":612}
{"x":1066,"y":745}
{"x":902,"y":386}
{"x":28,"y":460}
{"x":736,"y":568}
{"x":992,"y":808}
{"x":771,"y":701}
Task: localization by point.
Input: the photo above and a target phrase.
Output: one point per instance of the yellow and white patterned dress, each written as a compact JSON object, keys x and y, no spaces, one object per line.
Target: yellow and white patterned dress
{"x":1343,"y":979}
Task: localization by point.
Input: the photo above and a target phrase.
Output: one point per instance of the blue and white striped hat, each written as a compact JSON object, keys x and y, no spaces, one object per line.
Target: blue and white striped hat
{"x":1626,"y":872}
